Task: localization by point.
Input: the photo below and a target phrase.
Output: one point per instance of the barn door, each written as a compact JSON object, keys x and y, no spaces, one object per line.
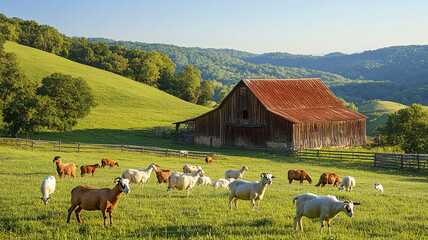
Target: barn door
{"x":245,"y":136}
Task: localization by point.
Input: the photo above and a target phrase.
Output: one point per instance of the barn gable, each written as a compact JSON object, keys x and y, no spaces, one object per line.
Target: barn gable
{"x":279,"y":113}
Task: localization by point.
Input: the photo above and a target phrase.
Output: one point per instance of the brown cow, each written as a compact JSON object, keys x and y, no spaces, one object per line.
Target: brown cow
{"x":298,"y":175}
{"x":329,"y":178}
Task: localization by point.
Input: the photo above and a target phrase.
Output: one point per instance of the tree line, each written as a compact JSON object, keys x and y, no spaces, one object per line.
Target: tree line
{"x":149,"y":67}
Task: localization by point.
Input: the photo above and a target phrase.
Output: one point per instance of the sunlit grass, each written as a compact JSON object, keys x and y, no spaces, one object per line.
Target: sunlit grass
{"x":148,"y":213}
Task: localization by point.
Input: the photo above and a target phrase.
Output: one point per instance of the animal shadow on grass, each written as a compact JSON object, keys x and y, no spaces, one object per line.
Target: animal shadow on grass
{"x":179,"y":232}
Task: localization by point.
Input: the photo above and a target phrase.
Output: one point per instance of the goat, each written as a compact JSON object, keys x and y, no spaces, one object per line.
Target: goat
{"x":88,"y":169}
{"x":254,"y":191}
{"x":348,"y":183}
{"x":162,"y":175}
{"x":328,"y":178}
{"x":378,"y":187}
{"x":140,"y":176}
{"x":299,"y":175}
{"x":323,"y":207}
{"x":65,"y":168}
{"x":91,"y":198}
{"x":222,"y":183}
{"x":108,"y":162}
{"x":208,"y":160}
{"x":47,"y":188}
{"x":183,"y":181}
{"x":236,"y":174}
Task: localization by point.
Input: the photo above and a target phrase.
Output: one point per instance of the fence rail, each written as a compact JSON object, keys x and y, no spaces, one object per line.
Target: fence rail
{"x":90,"y":147}
{"x":387,"y":160}
{"x":402,"y":161}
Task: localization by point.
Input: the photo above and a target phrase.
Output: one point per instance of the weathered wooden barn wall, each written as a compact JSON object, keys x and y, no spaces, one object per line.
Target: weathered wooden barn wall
{"x":329,"y":133}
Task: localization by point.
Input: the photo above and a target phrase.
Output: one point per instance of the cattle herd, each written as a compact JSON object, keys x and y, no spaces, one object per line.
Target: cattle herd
{"x":85,"y":197}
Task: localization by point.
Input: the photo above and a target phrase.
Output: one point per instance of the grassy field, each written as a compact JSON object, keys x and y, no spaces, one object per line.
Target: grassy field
{"x":124,"y":105}
{"x":401,"y":213}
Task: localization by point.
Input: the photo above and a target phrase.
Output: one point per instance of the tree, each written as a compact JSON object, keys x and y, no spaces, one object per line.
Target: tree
{"x":188,"y":84}
{"x":408,"y":129}
{"x":71,"y":97}
{"x":207,"y":92}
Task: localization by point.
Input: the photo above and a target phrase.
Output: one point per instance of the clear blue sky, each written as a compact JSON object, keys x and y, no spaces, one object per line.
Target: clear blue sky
{"x":295,"y":26}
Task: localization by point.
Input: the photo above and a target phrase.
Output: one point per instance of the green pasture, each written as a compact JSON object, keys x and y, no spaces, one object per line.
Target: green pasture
{"x":123,"y":104}
{"x":401,"y":213}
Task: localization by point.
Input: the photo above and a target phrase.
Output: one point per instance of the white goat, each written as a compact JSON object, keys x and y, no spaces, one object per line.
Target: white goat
{"x":222,"y":183}
{"x":140,"y":176}
{"x":236,"y":174}
{"x":203,"y":181}
{"x":191,"y":168}
{"x":183,"y":181}
{"x":48,"y":187}
{"x":348,"y":183}
{"x":378,"y":187}
{"x":183,"y":153}
{"x":254,"y":191}
{"x":323,"y":207}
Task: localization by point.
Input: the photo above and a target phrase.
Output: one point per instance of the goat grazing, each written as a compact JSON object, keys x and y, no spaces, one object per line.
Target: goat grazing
{"x":208,"y":160}
{"x":88,"y":169}
{"x":108,"y":162}
{"x":65,"y":168}
{"x":91,"y":198}
{"x":183,"y":181}
{"x":140,"y":176}
{"x":236,"y":174}
{"x":299,"y":175}
{"x":48,"y":187}
{"x":203,"y":181}
{"x":378,"y":187}
{"x":222,"y":183}
{"x":348,"y":183}
{"x":163,"y":174}
{"x":191,"y":168}
{"x":328,"y":178}
{"x":323,"y":207}
{"x":254,"y":191}
{"x":183,"y":153}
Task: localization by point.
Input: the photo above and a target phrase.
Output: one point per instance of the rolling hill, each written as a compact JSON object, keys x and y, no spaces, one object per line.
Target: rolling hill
{"x":378,"y":111}
{"x":123,"y":104}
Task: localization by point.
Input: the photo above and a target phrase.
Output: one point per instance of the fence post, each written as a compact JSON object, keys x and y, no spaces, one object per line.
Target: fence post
{"x":167,"y":152}
{"x":401,"y":157}
{"x":60,"y":145}
{"x":78,"y":147}
{"x":318,"y":153}
{"x":375,"y":157}
{"x":143,"y":149}
{"x":32,"y":145}
{"x":418,"y":163}
{"x":54,"y":147}
{"x":121,"y":147}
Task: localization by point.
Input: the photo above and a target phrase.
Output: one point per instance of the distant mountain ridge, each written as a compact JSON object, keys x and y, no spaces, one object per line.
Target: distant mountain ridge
{"x":398,"y":74}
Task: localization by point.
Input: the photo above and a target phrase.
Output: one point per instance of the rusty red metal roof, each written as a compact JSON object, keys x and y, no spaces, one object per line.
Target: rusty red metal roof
{"x":300,"y":100}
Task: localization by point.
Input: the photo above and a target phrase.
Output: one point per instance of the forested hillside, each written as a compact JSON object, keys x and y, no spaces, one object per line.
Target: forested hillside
{"x":396,"y":74}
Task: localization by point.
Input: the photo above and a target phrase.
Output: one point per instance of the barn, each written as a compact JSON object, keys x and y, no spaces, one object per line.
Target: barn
{"x":292,"y":114}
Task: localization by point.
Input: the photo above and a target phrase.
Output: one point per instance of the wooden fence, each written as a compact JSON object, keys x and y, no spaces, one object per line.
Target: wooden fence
{"x":387,"y":160}
{"x":342,"y":155}
{"x":59,"y":146}
{"x":402,"y":161}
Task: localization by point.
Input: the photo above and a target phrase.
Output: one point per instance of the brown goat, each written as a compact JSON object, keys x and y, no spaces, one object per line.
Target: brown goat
{"x":163,"y":174}
{"x":91,"y":198}
{"x":208,"y":160}
{"x":108,"y":162}
{"x":65,"y":168}
{"x":88,"y":169}
{"x":329,"y":178}
{"x":298,"y":175}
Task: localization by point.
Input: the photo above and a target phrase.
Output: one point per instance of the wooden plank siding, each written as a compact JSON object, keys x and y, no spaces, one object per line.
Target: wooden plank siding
{"x":331,"y":133}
